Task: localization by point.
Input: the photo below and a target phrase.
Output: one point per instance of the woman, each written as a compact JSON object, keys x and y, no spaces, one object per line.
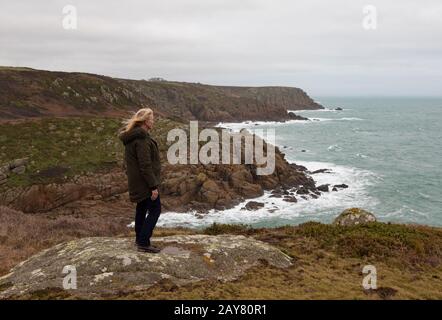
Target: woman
{"x":143,"y":169}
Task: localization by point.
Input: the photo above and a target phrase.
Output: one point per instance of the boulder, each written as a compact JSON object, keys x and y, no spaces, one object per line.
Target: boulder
{"x":294,"y":116}
{"x":18,"y":163}
{"x":277,"y":193}
{"x":354,"y":216}
{"x":323,"y":187}
{"x":250,"y":190}
{"x":239,"y":177}
{"x":290,"y":199}
{"x":321,"y":171}
{"x":210,"y":192}
{"x":17,"y":166}
{"x":19,"y":170}
{"x":303,"y":190}
{"x":224,"y":203}
{"x":253,"y":205}
{"x":107,"y":267}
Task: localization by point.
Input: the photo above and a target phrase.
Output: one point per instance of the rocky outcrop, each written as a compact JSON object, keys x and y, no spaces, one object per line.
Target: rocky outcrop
{"x":354,"y":216}
{"x":321,"y":171}
{"x":46,"y":197}
{"x":184,"y":187}
{"x":28,"y":93}
{"x":323,"y":187}
{"x":17,"y":166}
{"x":294,"y":116}
{"x":253,"y":205}
{"x":113,"y":266}
{"x":221,"y":186}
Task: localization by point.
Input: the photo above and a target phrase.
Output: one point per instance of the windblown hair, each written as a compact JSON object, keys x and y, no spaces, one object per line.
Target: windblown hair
{"x":137,"y":119}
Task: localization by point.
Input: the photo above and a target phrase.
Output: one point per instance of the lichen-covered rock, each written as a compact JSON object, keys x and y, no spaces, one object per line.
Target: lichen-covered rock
{"x":113,"y":266}
{"x":354,"y":216}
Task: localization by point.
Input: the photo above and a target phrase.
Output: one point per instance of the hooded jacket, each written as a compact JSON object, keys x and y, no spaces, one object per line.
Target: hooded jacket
{"x":143,"y":166}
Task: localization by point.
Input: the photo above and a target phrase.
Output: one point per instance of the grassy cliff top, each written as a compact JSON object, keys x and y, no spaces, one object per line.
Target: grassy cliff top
{"x":59,"y":148}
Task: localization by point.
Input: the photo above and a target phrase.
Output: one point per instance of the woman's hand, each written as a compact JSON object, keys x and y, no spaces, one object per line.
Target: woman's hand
{"x":154,"y":194}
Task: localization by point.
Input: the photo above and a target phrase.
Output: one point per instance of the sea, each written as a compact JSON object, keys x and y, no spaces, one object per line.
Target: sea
{"x":388,"y":150}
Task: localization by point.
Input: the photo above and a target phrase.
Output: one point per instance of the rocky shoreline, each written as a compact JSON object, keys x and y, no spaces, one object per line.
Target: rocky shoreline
{"x":185,"y":188}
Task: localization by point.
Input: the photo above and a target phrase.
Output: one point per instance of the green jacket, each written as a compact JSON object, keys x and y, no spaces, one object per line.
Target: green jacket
{"x":143,"y":166}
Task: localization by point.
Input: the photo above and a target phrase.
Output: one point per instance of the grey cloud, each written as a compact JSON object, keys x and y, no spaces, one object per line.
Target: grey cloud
{"x":318,"y":45}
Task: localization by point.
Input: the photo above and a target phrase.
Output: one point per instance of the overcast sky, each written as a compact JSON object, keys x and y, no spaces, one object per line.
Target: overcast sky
{"x":320,"y":46}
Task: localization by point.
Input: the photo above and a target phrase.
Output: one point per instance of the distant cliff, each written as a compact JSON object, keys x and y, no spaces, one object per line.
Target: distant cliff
{"x":26,"y":93}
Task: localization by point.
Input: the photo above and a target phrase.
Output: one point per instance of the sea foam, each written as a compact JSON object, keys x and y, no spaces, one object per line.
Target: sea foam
{"x":276,"y":211}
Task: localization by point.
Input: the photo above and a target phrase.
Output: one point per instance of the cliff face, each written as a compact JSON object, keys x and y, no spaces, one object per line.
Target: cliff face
{"x":286,"y":97}
{"x":28,"y":93}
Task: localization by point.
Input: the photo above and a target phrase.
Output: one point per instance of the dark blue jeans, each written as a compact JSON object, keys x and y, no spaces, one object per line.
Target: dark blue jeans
{"x":144,"y":225}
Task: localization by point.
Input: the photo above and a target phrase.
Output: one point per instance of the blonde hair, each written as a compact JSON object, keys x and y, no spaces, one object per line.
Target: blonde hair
{"x":137,"y":119}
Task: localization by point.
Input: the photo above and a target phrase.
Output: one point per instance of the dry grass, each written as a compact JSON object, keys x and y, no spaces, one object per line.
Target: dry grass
{"x":328,"y":263}
{"x":328,"y":260}
{"x":22,"y":235}
{"x":312,"y":277}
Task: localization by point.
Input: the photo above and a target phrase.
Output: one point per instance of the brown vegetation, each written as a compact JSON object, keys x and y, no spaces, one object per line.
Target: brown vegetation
{"x":22,"y":235}
{"x":328,"y":259}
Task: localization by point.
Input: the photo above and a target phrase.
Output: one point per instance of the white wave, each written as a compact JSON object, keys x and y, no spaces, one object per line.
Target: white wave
{"x":237,"y":126}
{"x":314,"y":110}
{"x":337,"y":119}
{"x":350,"y":119}
{"x":404,"y":213}
{"x":276,"y":211}
{"x":423,"y":195}
{"x":334,"y":147}
{"x":321,"y":119}
{"x":360,"y":155}
{"x":325,"y":207}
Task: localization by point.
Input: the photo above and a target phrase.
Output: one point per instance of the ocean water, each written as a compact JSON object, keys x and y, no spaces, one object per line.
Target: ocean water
{"x":388,"y":150}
